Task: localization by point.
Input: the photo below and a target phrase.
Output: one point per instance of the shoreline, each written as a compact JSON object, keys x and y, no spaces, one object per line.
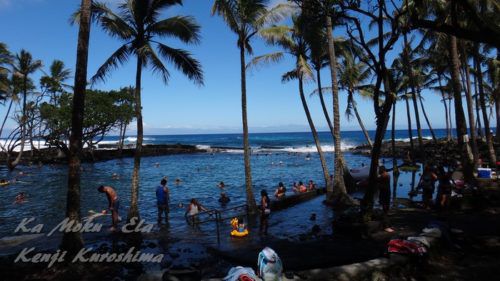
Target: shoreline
{"x":103,"y":153}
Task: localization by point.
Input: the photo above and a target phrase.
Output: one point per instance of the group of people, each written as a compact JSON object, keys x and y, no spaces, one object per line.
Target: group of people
{"x":299,"y":187}
{"x":427,"y":182}
{"x":162,"y":203}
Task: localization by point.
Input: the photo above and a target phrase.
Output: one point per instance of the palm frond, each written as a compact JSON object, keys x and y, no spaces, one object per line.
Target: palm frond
{"x":265,"y":59}
{"x":227,"y":10}
{"x":181,"y":27}
{"x":155,"y":62}
{"x":183,"y":61}
{"x":118,"y":58}
{"x":289,"y":76}
{"x":275,"y":14}
{"x":278,"y":35}
{"x":305,"y":69}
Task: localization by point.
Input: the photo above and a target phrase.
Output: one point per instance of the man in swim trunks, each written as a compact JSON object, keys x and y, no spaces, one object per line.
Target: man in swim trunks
{"x":114,"y":203}
{"x":162,"y":200}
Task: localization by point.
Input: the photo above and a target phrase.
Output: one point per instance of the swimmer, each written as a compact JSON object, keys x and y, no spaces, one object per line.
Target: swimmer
{"x":178,"y":181}
{"x":221,"y":185}
{"x":157,"y":165}
{"x":115,"y":176}
{"x":4,"y":182}
{"x":224,"y":199}
{"x":20,"y":198}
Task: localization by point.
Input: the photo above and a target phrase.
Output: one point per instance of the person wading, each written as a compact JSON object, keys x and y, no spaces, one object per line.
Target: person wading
{"x":162,"y":200}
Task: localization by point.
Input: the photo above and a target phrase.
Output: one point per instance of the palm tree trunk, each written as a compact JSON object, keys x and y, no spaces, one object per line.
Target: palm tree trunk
{"x":459,"y":111}
{"x":72,"y":241}
{"x":413,"y":86}
{"x":252,"y":206}
{"x":449,"y":114}
{"x":448,"y":125}
{"x":489,"y":137}
{"x":395,"y":170}
{"x":326,"y":174}
{"x":361,"y":124}
{"x":426,"y":118}
{"x":338,"y":179}
{"x":323,"y":104}
{"x":12,"y":164}
{"x":478,"y":109}
{"x":470,"y":108}
{"x":410,"y":130}
{"x":497,"y":107}
{"x":134,"y":192}
{"x":122,"y":138}
{"x":6,"y":116}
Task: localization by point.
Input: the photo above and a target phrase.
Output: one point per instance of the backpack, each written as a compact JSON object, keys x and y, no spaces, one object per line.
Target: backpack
{"x":401,"y":246}
{"x":269,"y":264}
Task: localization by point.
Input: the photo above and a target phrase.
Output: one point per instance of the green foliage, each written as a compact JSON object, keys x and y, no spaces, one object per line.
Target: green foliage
{"x":104,"y":111}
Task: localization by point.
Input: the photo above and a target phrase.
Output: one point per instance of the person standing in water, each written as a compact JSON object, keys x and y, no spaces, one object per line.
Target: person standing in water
{"x":114,"y":204}
{"x":384,"y":187}
{"x":265,"y":209}
{"x":162,"y":200}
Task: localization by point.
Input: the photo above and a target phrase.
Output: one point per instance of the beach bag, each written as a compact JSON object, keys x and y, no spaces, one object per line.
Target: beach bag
{"x":240,"y":273}
{"x":401,"y":246}
{"x":269,"y":264}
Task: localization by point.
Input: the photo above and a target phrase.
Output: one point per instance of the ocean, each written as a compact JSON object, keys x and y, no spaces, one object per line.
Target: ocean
{"x":276,"y":157}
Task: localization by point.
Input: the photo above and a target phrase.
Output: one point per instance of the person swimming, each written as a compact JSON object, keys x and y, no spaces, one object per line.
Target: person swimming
{"x":311,"y":185}
{"x":178,"y":181}
{"x":20,"y":198}
{"x":280,"y":191}
{"x":224,"y":199}
{"x":221,"y":185}
{"x":302,"y":188}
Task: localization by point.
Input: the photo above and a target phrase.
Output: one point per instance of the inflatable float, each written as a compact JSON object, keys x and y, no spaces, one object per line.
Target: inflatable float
{"x":237,"y":231}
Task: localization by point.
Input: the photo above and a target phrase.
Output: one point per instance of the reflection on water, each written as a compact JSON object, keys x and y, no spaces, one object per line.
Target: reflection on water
{"x":200,"y":173}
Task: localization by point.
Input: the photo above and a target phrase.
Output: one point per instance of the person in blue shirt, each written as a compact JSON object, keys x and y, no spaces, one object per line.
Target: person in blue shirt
{"x":162,"y":200}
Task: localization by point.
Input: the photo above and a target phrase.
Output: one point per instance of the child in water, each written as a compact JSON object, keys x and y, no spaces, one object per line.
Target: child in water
{"x":241,"y":226}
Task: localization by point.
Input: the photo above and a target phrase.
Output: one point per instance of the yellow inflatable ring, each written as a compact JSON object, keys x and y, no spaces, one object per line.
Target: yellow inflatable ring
{"x":4,"y":183}
{"x":236,"y":233}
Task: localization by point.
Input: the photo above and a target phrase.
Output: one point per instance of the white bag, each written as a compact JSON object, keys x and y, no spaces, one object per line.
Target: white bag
{"x":269,"y":264}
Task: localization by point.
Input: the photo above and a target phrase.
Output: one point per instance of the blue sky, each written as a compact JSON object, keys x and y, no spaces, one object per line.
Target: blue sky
{"x":41,"y":27}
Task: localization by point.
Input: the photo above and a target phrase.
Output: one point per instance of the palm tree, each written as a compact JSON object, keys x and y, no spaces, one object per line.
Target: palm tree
{"x":407,"y":59}
{"x":482,"y":101}
{"x":23,"y":66}
{"x":469,"y":100}
{"x":351,"y":75}
{"x":292,"y":41}
{"x":72,"y":241}
{"x":53,"y":82}
{"x":5,"y":62}
{"x":245,"y":18}
{"x":138,"y":25}
{"x":459,"y":113}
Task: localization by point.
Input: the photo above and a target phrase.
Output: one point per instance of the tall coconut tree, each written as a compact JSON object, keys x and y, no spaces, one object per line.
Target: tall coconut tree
{"x":54,"y":81}
{"x":468,"y":98}
{"x":351,"y":76}
{"x":138,"y":24}
{"x":72,"y":241}
{"x":24,"y":66}
{"x":5,"y":63}
{"x":292,"y":42}
{"x":245,"y":18}
{"x":482,"y":101}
